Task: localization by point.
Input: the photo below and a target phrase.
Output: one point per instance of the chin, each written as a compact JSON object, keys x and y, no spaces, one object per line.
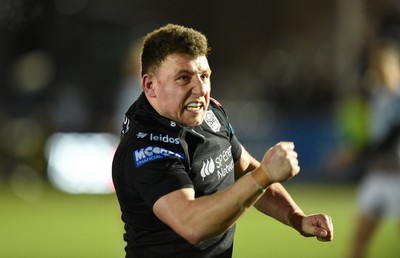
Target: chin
{"x":195,"y":122}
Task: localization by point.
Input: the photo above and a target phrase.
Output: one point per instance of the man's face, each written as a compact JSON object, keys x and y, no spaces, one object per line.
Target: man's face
{"x":180,"y":88}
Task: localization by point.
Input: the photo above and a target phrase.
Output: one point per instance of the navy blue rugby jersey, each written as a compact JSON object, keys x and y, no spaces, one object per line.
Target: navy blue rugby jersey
{"x":157,"y":156}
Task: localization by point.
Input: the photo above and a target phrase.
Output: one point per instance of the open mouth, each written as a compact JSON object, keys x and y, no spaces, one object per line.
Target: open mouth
{"x":194,"y":106}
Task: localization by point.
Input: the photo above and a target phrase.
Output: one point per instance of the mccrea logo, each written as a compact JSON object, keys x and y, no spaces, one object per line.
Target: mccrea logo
{"x":151,"y":153}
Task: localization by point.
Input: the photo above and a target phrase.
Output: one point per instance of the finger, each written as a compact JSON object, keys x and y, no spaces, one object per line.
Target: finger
{"x":294,"y":163}
{"x":287,"y":145}
{"x":296,"y":169}
{"x":330,"y":231}
{"x":325,"y":231}
{"x":291,"y":154}
{"x":325,"y":239}
{"x":323,"y":235}
{"x":320,"y":232}
{"x":292,"y":157}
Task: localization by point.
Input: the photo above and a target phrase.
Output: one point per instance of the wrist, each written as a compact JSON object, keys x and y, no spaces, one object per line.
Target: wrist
{"x":260,"y":187}
{"x":295,"y":220}
{"x":260,"y":179}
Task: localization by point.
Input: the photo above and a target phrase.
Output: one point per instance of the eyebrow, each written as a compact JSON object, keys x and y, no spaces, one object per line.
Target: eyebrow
{"x":193,"y":72}
{"x":185,"y":71}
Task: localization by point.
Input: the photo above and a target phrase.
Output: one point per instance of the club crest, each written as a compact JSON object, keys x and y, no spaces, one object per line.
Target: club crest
{"x":212,"y":121}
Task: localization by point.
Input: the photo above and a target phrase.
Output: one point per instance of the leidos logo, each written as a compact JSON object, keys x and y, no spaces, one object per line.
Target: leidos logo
{"x":141,"y":135}
{"x":159,"y":138}
{"x":164,"y":138}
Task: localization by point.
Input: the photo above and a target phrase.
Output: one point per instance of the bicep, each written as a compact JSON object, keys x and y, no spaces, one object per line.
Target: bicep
{"x":171,"y":208}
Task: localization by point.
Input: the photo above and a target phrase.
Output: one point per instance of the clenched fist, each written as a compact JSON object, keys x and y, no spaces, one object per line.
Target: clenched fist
{"x":280,"y":162}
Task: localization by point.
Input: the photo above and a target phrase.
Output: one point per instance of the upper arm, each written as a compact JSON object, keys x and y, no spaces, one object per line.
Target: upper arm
{"x":171,"y":208}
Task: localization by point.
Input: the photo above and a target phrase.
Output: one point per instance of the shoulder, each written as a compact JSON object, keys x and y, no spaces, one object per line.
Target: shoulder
{"x":216,"y":118}
{"x":149,"y":144}
{"x":216,"y":105}
{"x":215,"y":102}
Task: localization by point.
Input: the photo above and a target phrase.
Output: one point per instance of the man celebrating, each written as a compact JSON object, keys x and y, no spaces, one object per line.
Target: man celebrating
{"x":181,"y":176}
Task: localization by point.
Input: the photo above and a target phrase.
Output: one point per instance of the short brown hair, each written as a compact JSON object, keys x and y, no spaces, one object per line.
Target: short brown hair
{"x":171,"y":39}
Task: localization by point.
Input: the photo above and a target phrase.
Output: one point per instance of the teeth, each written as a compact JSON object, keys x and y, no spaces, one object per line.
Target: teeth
{"x":194,"y":105}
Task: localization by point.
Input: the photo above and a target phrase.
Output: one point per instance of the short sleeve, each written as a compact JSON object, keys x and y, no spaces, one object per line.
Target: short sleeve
{"x":159,"y":178}
{"x":236,"y":146}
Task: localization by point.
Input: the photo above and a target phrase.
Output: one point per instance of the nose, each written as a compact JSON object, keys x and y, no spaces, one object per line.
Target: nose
{"x":199,"y":87}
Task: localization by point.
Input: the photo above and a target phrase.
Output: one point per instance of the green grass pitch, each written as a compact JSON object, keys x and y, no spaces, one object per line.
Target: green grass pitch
{"x":62,"y":225}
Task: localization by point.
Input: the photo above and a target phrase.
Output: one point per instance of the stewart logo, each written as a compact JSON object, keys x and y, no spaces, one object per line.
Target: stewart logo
{"x":207,"y":168}
{"x":222,"y":164}
{"x":151,"y":153}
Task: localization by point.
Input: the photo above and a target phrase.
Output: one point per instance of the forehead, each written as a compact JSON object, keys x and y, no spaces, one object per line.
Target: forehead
{"x":178,"y":62}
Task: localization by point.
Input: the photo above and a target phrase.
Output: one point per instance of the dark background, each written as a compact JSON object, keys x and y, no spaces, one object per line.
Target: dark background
{"x":279,"y":68}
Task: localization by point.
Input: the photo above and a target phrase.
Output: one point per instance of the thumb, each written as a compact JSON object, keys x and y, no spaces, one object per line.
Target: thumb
{"x":320,"y":232}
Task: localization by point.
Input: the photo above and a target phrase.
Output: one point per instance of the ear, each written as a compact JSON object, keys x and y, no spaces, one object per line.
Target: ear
{"x":148,"y":84}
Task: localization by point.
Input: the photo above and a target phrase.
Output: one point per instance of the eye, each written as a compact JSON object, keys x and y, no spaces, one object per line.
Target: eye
{"x":205,"y":76}
{"x":184,"y":78}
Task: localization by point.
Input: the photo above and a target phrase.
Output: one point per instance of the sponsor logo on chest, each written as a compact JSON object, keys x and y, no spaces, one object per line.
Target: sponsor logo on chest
{"x":219,"y":166}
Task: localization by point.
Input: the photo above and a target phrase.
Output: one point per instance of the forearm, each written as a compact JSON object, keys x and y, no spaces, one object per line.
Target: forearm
{"x":197,"y":219}
{"x":201,"y":218}
{"x":232,"y":203}
{"x":277,"y":203}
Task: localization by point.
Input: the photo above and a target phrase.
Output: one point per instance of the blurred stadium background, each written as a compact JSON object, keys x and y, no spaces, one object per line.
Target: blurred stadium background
{"x":284,"y":70}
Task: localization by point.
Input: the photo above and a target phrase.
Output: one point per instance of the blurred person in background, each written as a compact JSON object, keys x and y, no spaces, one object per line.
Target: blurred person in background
{"x":130,"y":87}
{"x":181,"y":176}
{"x":379,"y":190}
